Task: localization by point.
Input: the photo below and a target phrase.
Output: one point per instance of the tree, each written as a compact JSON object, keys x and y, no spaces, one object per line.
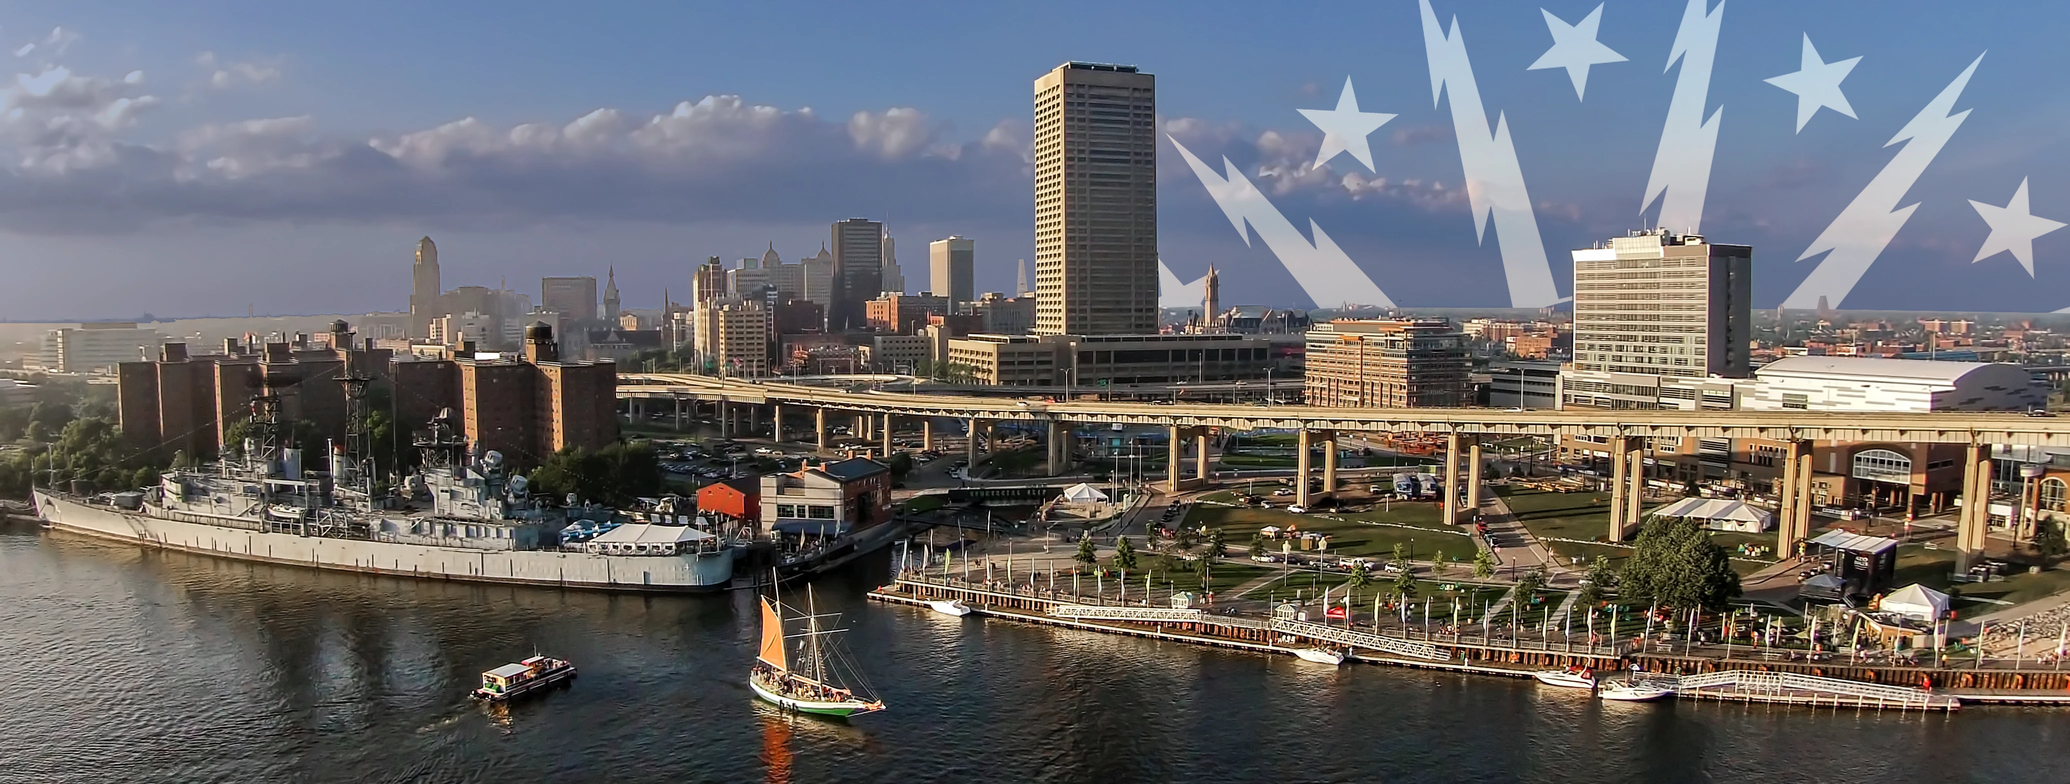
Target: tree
{"x":1529,"y":584}
{"x":614,"y":475}
{"x":1401,"y":555}
{"x":1359,"y":577}
{"x":1405,"y":585}
{"x":1086,"y":556}
{"x":1600,"y":579}
{"x":1438,"y":564}
{"x":2049,"y":539}
{"x":1257,"y":545}
{"x":1124,"y":554}
{"x":1483,"y":564}
{"x":901,"y":464}
{"x":1675,"y":564}
{"x":1218,"y":545}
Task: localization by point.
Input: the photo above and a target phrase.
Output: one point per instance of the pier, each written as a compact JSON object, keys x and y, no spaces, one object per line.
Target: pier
{"x":1694,"y":675}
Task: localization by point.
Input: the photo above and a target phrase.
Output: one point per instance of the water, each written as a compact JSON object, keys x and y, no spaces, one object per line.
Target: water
{"x":122,"y":665}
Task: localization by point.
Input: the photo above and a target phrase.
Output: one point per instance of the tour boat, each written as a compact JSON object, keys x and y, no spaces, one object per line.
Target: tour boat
{"x":511,"y":681}
{"x":1569,"y":678}
{"x":814,"y":683}
{"x":950,"y":607}
{"x":1321,"y":656}
{"x":1633,"y":692}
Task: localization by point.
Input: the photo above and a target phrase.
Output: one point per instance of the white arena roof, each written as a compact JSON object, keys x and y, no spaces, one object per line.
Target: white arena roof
{"x":1872,"y":368}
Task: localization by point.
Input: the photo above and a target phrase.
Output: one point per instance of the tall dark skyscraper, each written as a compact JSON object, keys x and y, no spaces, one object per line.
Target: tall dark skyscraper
{"x":858,"y":271}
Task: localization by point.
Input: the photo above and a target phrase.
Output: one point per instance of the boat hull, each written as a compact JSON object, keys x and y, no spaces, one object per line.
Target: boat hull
{"x":546,"y":680}
{"x":835,"y":709}
{"x":1565,"y":680}
{"x":662,"y":574}
{"x":1331,"y":658}
{"x":950,"y":607}
{"x":1630,"y":694}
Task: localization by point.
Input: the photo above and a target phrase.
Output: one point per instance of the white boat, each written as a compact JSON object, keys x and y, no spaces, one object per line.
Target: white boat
{"x":950,"y":607}
{"x":1321,"y":656}
{"x":1566,"y":678}
{"x":1633,"y":692}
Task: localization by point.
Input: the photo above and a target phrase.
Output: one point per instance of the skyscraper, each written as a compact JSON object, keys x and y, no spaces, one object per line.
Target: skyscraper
{"x":894,"y":278}
{"x":858,"y":271}
{"x":708,"y":283}
{"x":1652,"y":307}
{"x":949,"y":270}
{"x":424,"y":289}
{"x":1095,"y":201}
{"x":1211,"y":299}
{"x":574,"y":298}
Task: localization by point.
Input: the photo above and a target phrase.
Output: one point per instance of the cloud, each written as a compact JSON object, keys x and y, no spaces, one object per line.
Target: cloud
{"x":1422,"y":134}
{"x":894,"y":134}
{"x":55,"y":44}
{"x":227,"y":74}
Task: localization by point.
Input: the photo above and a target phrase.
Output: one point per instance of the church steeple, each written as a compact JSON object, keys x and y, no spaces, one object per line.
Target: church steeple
{"x":611,"y":294}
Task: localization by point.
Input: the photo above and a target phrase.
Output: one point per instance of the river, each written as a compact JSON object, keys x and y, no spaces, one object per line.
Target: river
{"x":132,"y":666}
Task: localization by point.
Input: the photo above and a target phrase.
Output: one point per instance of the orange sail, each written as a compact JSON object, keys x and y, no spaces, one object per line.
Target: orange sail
{"x":772,"y":637}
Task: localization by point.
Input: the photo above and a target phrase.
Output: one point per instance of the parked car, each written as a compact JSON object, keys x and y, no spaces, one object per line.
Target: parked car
{"x":1297,"y":509}
{"x":1284,"y":491}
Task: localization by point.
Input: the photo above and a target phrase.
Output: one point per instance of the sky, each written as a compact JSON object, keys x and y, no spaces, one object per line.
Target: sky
{"x":213,"y":157}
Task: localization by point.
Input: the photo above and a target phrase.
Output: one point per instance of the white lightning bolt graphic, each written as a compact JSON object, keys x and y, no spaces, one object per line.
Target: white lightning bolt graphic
{"x":1494,"y":179}
{"x":1869,"y":223}
{"x":1682,"y":165}
{"x":1327,"y":275}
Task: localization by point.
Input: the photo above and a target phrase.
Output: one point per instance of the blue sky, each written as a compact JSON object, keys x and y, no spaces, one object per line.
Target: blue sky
{"x":285,"y":157}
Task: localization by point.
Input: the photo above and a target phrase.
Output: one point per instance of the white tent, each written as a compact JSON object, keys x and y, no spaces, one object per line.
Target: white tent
{"x":1720,"y":514}
{"x":1083,"y":493}
{"x":1916,"y":601}
{"x":647,"y":539}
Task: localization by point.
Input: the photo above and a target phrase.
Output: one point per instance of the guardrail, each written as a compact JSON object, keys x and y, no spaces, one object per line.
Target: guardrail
{"x":1359,"y":639}
{"x":1087,"y":612}
{"x":1775,"y":683}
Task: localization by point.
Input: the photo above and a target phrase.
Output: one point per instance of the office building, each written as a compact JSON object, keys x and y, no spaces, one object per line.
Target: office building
{"x":951,"y":264}
{"x":894,"y":277}
{"x":1003,"y":316}
{"x":1655,"y":305}
{"x":97,"y":347}
{"x":1092,"y":362}
{"x":424,"y":288}
{"x":902,"y":313}
{"x":819,"y":278}
{"x":708,"y":282}
{"x":735,"y":338}
{"x":1520,"y":384}
{"x":1387,"y":363}
{"x":897,"y":353}
{"x":858,"y":272}
{"x":575,"y":298}
{"x":828,"y":499}
{"x":1095,"y":201}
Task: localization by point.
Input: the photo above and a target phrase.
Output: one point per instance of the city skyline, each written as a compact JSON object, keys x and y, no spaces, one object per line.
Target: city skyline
{"x":249,"y":151}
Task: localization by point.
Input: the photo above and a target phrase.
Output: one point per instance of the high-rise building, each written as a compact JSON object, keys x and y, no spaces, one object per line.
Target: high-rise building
{"x":1387,"y":363}
{"x":575,"y":298}
{"x":1211,"y":298}
{"x":858,"y":271}
{"x":1654,"y":306}
{"x":424,"y":289}
{"x":733,"y":338}
{"x":709,"y":282}
{"x":611,"y":301}
{"x":950,"y":265}
{"x":1095,"y":200}
{"x":894,"y":277}
{"x":1020,"y":279}
{"x":97,"y":347}
{"x":819,"y":278}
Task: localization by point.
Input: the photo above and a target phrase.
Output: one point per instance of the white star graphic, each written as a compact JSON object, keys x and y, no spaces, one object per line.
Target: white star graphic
{"x":2013,"y":228}
{"x":1575,"y":48}
{"x":1345,"y":128}
{"x":1817,"y":84}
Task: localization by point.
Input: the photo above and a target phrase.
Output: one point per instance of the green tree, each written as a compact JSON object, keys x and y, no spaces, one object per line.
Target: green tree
{"x":1675,"y":564}
{"x":614,"y":475}
{"x":1597,"y":583}
{"x":1086,"y":556}
{"x":1483,"y":564}
{"x":1124,"y":554}
{"x":1405,"y":585}
{"x":1529,"y":585}
{"x":1218,"y":545}
{"x":901,"y":464}
{"x":1257,"y":545}
{"x":2049,"y":539}
{"x":1401,"y":555}
{"x":1359,"y":577}
{"x":1438,"y":564}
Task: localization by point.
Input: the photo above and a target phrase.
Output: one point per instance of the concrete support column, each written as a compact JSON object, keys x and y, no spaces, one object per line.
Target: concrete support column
{"x":1473,"y":478}
{"x":927,"y":434}
{"x":991,"y":436}
{"x":725,"y":419}
{"x":1174,"y":456}
{"x":1301,"y":467}
{"x":776,"y":423}
{"x":819,"y":428}
{"x":1976,"y":507}
{"x":1329,"y":461}
{"x":1059,"y":450}
{"x":886,"y":436}
{"x":1635,"y":495}
{"x":862,"y":426}
{"x":1200,"y":456}
{"x":1451,"y":478}
{"x":1620,"y":451}
{"x":1786,"y":512}
{"x":754,"y":421}
{"x":970,"y":445}
{"x":679,"y":413}
{"x":1800,"y":512}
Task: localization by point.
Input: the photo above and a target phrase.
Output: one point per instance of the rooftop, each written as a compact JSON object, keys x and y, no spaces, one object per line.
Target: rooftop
{"x":854,"y":468}
{"x":1874,"y":368}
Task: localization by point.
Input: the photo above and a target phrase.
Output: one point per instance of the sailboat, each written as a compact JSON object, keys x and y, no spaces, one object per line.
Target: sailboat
{"x":814,"y":682}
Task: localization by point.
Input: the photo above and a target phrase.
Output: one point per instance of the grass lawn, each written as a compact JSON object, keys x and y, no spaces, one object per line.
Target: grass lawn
{"x":1020,"y":462}
{"x":1346,"y":537}
{"x":1240,"y":460}
{"x":1586,"y":516}
{"x":1421,"y":514}
{"x":923,"y":504}
{"x":1933,"y":568}
{"x":1225,"y":576}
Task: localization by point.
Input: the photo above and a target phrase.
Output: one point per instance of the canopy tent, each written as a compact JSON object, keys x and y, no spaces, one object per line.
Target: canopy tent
{"x":1720,"y":514}
{"x":647,"y":539}
{"x":1916,"y":601}
{"x":1824,"y":585}
{"x":1083,"y":493}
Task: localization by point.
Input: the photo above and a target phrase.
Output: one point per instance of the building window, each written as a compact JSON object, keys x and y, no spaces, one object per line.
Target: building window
{"x":2053,"y":491}
{"x":1796,"y":401}
{"x":818,"y":512}
{"x":1883,"y":465}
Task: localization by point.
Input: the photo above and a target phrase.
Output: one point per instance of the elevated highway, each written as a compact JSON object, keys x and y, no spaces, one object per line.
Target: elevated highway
{"x":1624,"y":434}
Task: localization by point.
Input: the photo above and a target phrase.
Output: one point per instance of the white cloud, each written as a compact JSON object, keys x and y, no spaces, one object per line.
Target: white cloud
{"x":897,"y":133}
{"x":224,"y":74}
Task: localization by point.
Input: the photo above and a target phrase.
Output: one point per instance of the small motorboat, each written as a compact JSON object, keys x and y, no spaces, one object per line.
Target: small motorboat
{"x":1321,"y":656}
{"x":953,"y":607}
{"x":1634,"y":692}
{"x":1569,"y":678}
{"x":511,"y":681}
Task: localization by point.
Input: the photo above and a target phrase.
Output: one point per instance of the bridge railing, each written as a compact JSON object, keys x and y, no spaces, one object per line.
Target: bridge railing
{"x":1125,"y":613}
{"x":1776,"y":682}
{"x":1359,"y":639}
